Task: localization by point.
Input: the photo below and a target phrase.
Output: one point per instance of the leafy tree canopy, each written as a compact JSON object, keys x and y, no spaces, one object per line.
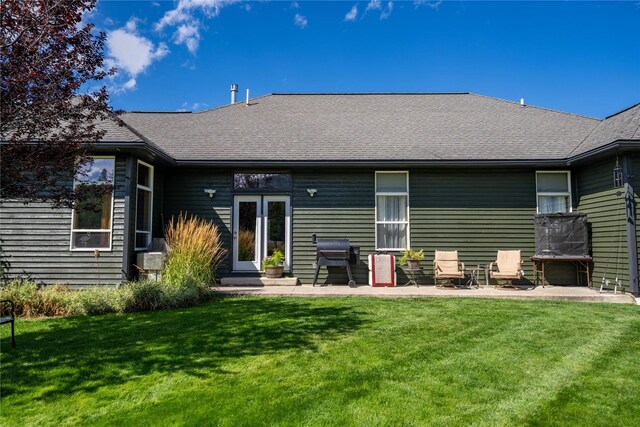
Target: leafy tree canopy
{"x":48,"y":55}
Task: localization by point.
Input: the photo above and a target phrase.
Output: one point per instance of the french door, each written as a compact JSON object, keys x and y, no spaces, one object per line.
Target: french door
{"x":261,"y":224}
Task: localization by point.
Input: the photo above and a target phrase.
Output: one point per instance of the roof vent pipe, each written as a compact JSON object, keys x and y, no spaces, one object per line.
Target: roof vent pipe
{"x":234,"y":92}
{"x":247,"y":97}
{"x":521,"y":102}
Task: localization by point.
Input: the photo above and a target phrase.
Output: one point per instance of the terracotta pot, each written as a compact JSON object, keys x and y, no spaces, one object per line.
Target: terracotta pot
{"x":413,"y":264}
{"x":273,"y":271}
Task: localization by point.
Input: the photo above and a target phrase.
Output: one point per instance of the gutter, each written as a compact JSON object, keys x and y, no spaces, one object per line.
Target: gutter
{"x":604,"y":150}
{"x":367,"y":163}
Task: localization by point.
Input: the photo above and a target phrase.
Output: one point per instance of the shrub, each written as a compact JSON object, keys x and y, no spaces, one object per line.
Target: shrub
{"x":89,"y":302}
{"x":32,"y":301}
{"x":58,"y":300}
{"x":195,"y":252}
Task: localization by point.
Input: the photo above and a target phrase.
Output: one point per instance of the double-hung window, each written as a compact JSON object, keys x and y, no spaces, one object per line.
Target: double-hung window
{"x":92,"y":217}
{"x":553,"y":191}
{"x":144,"y":205}
{"x":392,"y":210}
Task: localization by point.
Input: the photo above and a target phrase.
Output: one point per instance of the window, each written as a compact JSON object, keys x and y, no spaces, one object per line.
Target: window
{"x":392,"y":210}
{"x":262,"y":181}
{"x":91,"y":219}
{"x":144,"y":205}
{"x":553,"y":191}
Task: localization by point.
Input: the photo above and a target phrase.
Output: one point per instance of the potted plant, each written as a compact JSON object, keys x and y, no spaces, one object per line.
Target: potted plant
{"x":412,"y":258}
{"x":273,"y":265}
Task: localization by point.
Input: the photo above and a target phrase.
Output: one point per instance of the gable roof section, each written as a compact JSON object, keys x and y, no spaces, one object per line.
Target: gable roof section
{"x":117,"y":133}
{"x":622,"y":126}
{"x":366,"y":127}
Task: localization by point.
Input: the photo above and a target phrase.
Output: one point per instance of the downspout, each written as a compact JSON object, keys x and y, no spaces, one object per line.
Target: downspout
{"x":126,"y":238}
{"x":632,"y":246}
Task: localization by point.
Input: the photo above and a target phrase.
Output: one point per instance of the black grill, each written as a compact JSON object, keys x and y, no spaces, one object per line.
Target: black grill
{"x":335,"y":253}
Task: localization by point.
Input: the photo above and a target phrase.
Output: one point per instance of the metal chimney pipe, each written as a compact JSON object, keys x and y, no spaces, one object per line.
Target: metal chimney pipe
{"x":234,"y":92}
{"x":247,"y":97}
{"x":522,"y":102}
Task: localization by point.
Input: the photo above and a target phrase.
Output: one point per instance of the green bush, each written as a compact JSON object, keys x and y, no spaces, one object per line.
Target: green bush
{"x":58,"y":300}
{"x":195,"y":252}
{"x":32,"y":301}
{"x":89,"y":302}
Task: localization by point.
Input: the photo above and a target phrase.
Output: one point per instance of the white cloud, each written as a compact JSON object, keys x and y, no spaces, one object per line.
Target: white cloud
{"x":385,"y":13}
{"x":431,"y":4}
{"x":131,"y":53}
{"x":374,"y":5}
{"x":189,"y":35}
{"x":352,"y":14}
{"x":129,"y":84}
{"x":377,"y":5}
{"x":295,"y":5}
{"x":300,"y":21}
{"x":183,"y":16}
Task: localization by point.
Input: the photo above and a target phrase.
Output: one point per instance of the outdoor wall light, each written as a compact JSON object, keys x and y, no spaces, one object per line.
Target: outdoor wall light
{"x":210,"y":192}
{"x":617,"y":175}
{"x":312,"y":191}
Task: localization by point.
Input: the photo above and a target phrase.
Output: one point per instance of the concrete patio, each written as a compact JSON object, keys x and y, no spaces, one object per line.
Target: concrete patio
{"x":560,"y":293}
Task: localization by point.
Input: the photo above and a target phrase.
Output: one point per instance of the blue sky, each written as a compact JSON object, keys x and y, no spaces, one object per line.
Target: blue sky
{"x":579,"y":57}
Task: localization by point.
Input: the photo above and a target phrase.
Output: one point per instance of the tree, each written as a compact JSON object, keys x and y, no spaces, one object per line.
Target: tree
{"x":47,"y":126}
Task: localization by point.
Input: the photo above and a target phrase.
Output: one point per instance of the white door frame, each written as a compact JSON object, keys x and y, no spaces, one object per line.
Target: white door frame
{"x":287,"y":224}
{"x":247,"y":265}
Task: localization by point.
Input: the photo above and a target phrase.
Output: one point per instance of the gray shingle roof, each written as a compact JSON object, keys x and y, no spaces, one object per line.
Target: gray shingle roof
{"x":624,"y":125}
{"x":116,"y":133}
{"x":367,"y":127}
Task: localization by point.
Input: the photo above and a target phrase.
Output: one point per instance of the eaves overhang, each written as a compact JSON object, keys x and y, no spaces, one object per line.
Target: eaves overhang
{"x":615,"y":147}
{"x":134,"y":147}
{"x":372,"y":163}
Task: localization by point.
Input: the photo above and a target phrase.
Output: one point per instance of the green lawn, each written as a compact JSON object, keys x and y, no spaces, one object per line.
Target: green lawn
{"x":348,"y":361}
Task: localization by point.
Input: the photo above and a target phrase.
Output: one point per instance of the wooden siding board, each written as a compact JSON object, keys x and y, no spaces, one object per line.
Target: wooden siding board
{"x":184,"y":192}
{"x":35,"y":241}
{"x":635,"y":166}
{"x":604,"y":206}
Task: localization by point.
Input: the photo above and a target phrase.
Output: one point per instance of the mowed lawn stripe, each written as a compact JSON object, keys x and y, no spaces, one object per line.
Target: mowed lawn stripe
{"x":343,"y":361}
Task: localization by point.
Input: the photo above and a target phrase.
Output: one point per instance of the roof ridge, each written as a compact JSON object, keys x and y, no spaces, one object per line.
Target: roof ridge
{"x":622,"y":111}
{"x":584,"y":139}
{"x":366,"y":93}
{"x":535,"y":106}
{"x":140,"y":135}
{"x":157,"y":112}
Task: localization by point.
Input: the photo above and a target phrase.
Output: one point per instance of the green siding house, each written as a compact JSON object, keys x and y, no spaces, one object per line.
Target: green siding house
{"x":387,"y":171}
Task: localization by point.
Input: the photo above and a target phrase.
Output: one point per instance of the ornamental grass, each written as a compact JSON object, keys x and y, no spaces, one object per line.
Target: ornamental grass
{"x":195,"y":252}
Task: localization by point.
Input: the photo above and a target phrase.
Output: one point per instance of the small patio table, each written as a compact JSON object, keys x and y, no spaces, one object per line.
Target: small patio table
{"x":475,"y":272}
{"x":413,"y":274}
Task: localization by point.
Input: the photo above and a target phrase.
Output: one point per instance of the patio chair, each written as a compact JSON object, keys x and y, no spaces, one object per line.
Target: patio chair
{"x":11,"y":318}
{"x":446,"y":266}
{"x":509,"y":265}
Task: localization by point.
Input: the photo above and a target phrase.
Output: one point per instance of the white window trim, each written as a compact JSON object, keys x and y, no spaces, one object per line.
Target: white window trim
{"x":387,"y":193}
{"x":84,"y":230}
{"x":150,"y":190}
{"x":552,"y":194}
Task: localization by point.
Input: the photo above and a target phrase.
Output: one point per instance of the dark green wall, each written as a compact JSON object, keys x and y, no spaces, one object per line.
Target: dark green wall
{"x":605,"y":209}
{"x":36,"y":242}
{"x":342,"y":208}
{"x":476,"y":211}
{"x":184,"y":192}
{"x":635,"y":164}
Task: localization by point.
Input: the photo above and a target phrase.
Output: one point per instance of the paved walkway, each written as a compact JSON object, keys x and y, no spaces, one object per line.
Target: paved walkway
{"x":562,"y":293}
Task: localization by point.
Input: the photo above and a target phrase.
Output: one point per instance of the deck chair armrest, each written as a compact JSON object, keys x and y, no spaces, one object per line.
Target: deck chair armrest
{"x":491,"y":264}
{"x":461,"y":266}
